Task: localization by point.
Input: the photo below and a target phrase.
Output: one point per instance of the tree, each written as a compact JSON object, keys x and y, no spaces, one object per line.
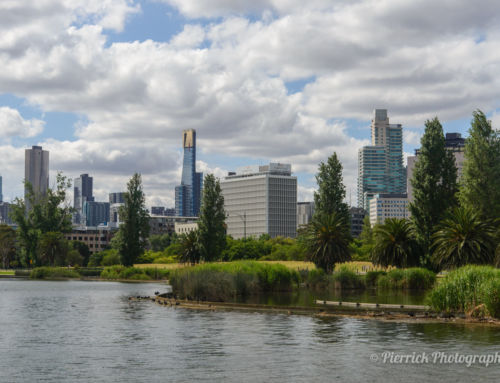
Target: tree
{"x":190,"y":248}
{"x":480,"y":183}
{"x":46,"y":213}
{"x":327,"y":240}
{"x":434,"y":184}
{"x":464,"y":238}
{"x":212,"y":227}
{"x":331,"y":190}
{"x":160,"y":242}
{"x":53,"y":248}
{"x":395,"y":244}
{"x":7,"y":244}
{"x":83,"y":250}
{"x":134,"y":230}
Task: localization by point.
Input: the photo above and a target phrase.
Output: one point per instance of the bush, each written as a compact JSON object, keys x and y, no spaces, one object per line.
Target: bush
{"x":90,"y":271}
{"x":371,"y":277}
{"x":166,"y":260}
{"x":464,"y":289}
{"x":414,"y":278}
{"x":95,"y":259}
{"x":134,"y":273}
{"x":53,"y":273}
{"x":22,"y":273}
{"x":316,"y":279}
{"x":110,"y":258}
{"x":347,"y":279}
{"x":222,"y":282}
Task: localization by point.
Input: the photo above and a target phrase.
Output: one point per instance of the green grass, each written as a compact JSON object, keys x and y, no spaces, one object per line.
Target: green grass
{"x":414,"y":278}
{"x":226,"y":281}
{"x":345,"y":278}
{"x":466,"y":288}
{"x":6,"y":272}
{"x":53,"y":273}
{"x":134,"y":273}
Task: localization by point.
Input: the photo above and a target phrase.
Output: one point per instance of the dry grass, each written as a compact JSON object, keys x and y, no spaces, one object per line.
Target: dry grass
{"x":361,"y":267}
{"x":168,"y":266}
{"x":294,"y":265}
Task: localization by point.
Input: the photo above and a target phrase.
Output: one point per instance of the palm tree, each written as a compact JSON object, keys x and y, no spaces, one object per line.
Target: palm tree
{"x":327,"y":240}
{"x":395,"y":244}
{"x":463,"y":238}
{"x":190,"y":248}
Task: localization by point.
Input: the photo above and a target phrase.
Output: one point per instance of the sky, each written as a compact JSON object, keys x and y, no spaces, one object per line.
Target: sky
{"x":107,"y":86}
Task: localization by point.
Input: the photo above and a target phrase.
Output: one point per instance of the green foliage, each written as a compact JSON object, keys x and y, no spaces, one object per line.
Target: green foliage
{"x":148,"y":257}
{"x":212,"y":228}
{"x":134,"y":231}
{"x":371,"y":277}
{"x":96,"y":259}
{"x":53,"y":273}
{"x":490,"y":295}
{"x":480,"y":182}
{"x":462,"y":238}
{"x":395,"y":244}
{"x":73,"y":258}
{"x":330,"y":196}
{"x":465,"y":288}
{"x":159,"y":242}
{"x":316,"y":279}
{"x":190,"y":248}
{"x":7,"y":245}
{"x":175,"y":249}
{"x":40,"y":214}
{"x":53,"y":248}
{"x":134,"y":273}
{"x":110,"y":258}
{"x":90,"y":271}
{"x":327,"y":240}
{"x":83,"y":250}
{"x":412,"y":279}
{"x":434,"y":184}
{"x":348,"y":279}
{"x":222,"y":282}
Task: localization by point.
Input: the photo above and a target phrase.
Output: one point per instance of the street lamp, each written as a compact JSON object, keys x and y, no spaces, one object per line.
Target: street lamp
{"x":244,"y":219}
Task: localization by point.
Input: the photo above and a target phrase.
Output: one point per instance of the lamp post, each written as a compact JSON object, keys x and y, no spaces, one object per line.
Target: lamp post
{"x":244,"y":219}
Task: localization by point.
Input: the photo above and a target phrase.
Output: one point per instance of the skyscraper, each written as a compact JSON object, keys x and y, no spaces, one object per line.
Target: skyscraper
{"x":1,"y":195}
{"x":381,"y":167}
{"x":96,"y":213}
{"x":36,"y":169}
{"x":82,"y":192}
{"x":188,"y":193}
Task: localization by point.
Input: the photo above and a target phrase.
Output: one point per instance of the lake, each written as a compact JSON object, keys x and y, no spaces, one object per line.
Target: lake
{"x":76,"y":331}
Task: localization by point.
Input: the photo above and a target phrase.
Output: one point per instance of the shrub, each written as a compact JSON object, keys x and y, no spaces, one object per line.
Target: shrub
{"x":348,"y":279}
{"x":22,"y":273}
{"x":165,"y":259}
{"x":221,"y":282}
{"x":414,"y":278}
{"x":134,"y":273}
{"x":490,"y":294}
{"x":90,"y":271}
{"x":465,"y":288}
{"x":53,"y":272}
{"x":316,"y":278}
{"x":110,"y":258}
{"x":371,"y":277}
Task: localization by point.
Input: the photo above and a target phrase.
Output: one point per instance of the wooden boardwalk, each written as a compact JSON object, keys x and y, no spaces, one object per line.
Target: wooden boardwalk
{"x":373,"y":306}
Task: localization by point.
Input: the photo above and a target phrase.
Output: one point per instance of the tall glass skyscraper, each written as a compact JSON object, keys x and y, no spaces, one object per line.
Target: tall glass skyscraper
{"x":188,"y":193}
{"x":1,"y":195}
{"x":381,"y":167}
{"x":82,"y":192}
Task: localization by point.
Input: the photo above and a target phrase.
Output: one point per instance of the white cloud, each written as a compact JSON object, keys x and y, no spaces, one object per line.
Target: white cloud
{"x":228,"y":79}
{"x":13,"y":124}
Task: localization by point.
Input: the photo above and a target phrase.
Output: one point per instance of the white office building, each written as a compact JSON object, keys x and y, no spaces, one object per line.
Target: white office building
{"x":261,"y":200}
{"x":383,"y":206}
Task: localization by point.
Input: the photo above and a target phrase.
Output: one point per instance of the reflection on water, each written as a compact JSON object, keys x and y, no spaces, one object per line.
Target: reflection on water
{"x":89,"y":331}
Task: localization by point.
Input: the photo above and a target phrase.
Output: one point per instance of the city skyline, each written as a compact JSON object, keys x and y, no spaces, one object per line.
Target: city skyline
{"x":116,"y":82}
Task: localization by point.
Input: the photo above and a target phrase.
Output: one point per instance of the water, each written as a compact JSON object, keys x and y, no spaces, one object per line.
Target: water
{"x":89,"y":332}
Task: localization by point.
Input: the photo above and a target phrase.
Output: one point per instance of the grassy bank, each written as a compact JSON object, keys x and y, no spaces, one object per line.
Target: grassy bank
{"x":134,"y":273}
{"x":474,"y":290}
{"x":53,"y":273}
{"x":345,"y":278}
{"x":226,"y":281}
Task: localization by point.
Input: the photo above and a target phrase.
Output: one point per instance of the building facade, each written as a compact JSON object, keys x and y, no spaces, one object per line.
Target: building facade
{"x":82,"y":192}
{"x":261,"y":200}
{"x":4,"y":213}
{"x":166,"y":224}
{"x":185,"y":228}
{"x":1,"y":195}
{"x":380,"y":166}
{"x":36,"y":169}
{"x":383,"y":206}
{"x":96,"y":213}
{"x":96,"y":238}
{"x":116,"y":198}
{"x":305,"y":212}
{"x":188,"y":193}
{"x":454,"y":143}
{"x":357,"y":217}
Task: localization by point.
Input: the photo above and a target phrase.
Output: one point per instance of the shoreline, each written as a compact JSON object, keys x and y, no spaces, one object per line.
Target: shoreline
{"x":400,"y":316}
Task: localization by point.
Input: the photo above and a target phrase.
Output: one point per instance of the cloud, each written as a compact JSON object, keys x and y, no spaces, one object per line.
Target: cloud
{"x":228,"y":77}
{"x":12,"y":124}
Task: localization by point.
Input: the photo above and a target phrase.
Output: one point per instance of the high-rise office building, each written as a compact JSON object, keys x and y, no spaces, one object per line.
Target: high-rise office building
{"x":305,"y":212}
{"x":261,"y":200}
{"x":1,"y":195}
{"x":454,"y":143}
{"x":188,"y":193}
{"x":116,"y":197}
{"x":381,"y":167}
{"x":357,"y":217}
{"x":383,"y":206}
{"x":82,"y":192}
{"x":95,"y":213}
{"x":4,"y":213}
{"x":36,"y":169}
